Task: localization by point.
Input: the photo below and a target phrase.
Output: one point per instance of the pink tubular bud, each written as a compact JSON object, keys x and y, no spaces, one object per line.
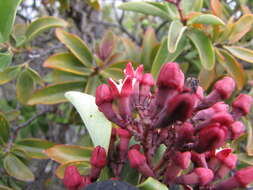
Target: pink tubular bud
{"x":103,"y":94}
{"x":201,"y":176}
{"x":211,"y":137}
{"x":125,"y":137}
{"x":225,"y":87}
{"x":138,"y":160}
{"x":147,"y":79}
{"x":240,"y":180}
{"x":171,"y":76}
{"x":243,"y":103}
{"x":98,"y":157}
{"x":182,"y":159}
{"x":72,"y":177}
{"x":199,"y":160}
{"x":237,"y":129}
{"x":185,"y":132}
{"x":223,"y":118}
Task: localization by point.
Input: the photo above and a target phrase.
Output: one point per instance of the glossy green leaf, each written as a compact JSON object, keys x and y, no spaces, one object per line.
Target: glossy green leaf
{"x":82,"y":166}
{"x":54,"y":93}
{"x":43,"y":23}
{"x":5,"y":59}
{"x":76,"y":46}
{"x":206,"y":19}
{"x":144,"y":8}
{"x":243,"y":157}
{"x":94,"y":120}
{"x":204,"y":47}
{"x":175,"y":33}
{"x":206,"y":78}
{"x":114,"y":73}
{"x":34,"y":147}
{"x":232,"y":67}
{"x":67,"y":62}
{"x":249,"y":145}
{"x":25,"y":86}
{"x":8,"y":11}
{"x":163,"y":56}
{"x":241,"y":53}
{"x":152,"y":184}
{"x":58,"y":76}
{"x":92,"y":84}
{"x":131,"y":50}
{"x":240,"y":28}
{"x":4,"y":129}
{"x":191,"y":6}
{"x":9,"y":74}
{"x":35,"y":76}
{"x":149,"y":42}
{"x":17,"y":169}
{"x":19,"y":34}
{"x":69,"y":153}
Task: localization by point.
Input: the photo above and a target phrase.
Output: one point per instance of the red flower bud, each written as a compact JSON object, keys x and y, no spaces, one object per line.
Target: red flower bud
{"x":98,"y":157}
{"x":225,"y":87}
{"x":240,"y":180}
{"x":185,"y":132}
{"x":201,"y":176}
{"x":84,"y":182}
{"x":129,"y":71}
{"x":103,"y":94}
{"x":138,"y":160}
{"x":243,"y":103}
{"x":171,"y":76}
{"x":147,"y":79}
{"x":223,"y":118}
{"x":237,"y":129}
{"x":182,"y":159}
{"x":72,"y":177}
{"x":125,"y":137}
{"x":211,"y":137}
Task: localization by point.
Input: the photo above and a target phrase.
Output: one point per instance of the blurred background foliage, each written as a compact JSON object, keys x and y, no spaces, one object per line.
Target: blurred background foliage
{"x":49,"y":47}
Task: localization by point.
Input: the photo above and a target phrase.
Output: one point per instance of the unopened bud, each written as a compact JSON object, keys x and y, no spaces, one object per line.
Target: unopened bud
{"x":225,"y":87}
{"x":98,"y":157}
{"x":243,"y":103}
{"x":72,"y":177}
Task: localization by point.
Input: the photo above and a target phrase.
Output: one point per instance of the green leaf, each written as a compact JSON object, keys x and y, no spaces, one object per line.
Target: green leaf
{"x":25,"y":86}
{"x":18,"y":34}
{"x":92,"y":83}
{"x":152,"y":184}
{"x":206,"y":19}
{"x":249,"y":145}
{"x":58,"y":76}
{"x":76,"y":46}
{"x":94,"y":120}
{"x":54,"y":93}
{"x":149,"y":43}
{"x":9,"y":74}
{"x":34,"y":147}
{"x":145,"y":8}
{"x":204,"y":47}
{"x":36,"y":76}
{"x":232,"y":67}
{"x":69,"y":153}
{"x":241,"y":53}
{"x":17,"y":169}
{"x":245,"y":158}
{"x":191,"y":6}
{"x":43,"y":23}
{"x":206,"y":78}
{"x":82,"y":166}
{"x":175,"y":33}
{"x":8,"y":11}
{"x":67,"y":62}
{"x":163,"y":56}
{"x":112,"y":72}
{"x":5,"y":59}
{"x":240,"y":28}
{"x":4,"y":129}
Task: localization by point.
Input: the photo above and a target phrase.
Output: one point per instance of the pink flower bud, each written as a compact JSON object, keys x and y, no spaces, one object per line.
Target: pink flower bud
{"x":237,"y":129}
{"x":171,"y":76}
{"x":223,"y":118}
{"x":125,"y":137}
{"x":103,"y":94}
{"x":129,"y":71}
{"x":211,"y":137}
{"x":243,"y":103}
{"x":136,"y":146}
{"x":182,"y":159}
{"x":98,"y":157}
{"x":138,"y":160}
{"x":225,"y":87}
{"x":147,"y":79}
{"x":201,"y":176}
{"x":72,"y":177}
{"x":240,"y":180}
{"x":199,"y":159}
{"x":185,"y":132}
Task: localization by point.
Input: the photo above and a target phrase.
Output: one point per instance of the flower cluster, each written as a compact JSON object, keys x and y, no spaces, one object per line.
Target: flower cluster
{"x":176,"y":115}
